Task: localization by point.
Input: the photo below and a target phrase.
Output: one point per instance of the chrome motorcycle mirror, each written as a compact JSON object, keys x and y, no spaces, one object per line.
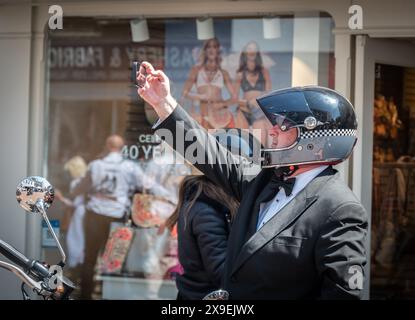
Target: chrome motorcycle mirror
{"x":35,"y":195}
{"x":35,"y":192}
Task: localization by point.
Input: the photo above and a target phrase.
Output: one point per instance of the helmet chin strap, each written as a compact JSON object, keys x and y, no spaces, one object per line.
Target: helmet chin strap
{"x":286,"y":171}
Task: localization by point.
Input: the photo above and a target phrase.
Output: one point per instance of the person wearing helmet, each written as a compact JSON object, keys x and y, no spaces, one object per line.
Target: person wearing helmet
{"x":299,"y":232}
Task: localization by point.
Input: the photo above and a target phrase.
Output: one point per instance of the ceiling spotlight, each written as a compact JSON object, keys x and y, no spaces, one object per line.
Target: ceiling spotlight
{"x":204,"y":28}
{"x":139,"y":30}
{"x":271,"y":27}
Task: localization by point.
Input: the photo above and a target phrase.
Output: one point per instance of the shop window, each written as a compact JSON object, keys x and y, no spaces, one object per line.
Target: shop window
{"x":393,"y":197}
{"x":91,"y":98}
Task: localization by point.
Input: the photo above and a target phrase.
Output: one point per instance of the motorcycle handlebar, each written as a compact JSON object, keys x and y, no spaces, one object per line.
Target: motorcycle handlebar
{"x":36,"y":269}
{"x":33,"y":273}
{"x":14,"y":255}
{"x":23,"y":276}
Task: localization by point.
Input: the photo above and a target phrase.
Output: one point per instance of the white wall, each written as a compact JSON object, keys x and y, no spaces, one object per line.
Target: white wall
{"x":14,"y":113}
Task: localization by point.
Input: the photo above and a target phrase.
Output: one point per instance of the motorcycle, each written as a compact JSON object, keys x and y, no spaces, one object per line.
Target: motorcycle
{"x":35,"y":195}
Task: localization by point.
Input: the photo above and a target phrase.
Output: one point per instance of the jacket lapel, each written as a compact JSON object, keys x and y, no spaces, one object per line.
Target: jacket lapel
{"x":245,"y":218}
{"x":292,"y":211}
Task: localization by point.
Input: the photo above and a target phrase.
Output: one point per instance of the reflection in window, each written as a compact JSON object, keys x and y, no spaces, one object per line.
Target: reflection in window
{"x":216,"y":80}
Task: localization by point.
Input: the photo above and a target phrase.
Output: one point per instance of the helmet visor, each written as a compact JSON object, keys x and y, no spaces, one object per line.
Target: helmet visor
{"x":285,"y":106}
{"x":282,"y":121}
{"x":278,"y":132}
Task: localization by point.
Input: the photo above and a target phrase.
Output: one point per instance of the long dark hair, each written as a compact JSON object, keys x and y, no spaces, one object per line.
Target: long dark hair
{"x":200,"y":184}
{"x":243,"y":59}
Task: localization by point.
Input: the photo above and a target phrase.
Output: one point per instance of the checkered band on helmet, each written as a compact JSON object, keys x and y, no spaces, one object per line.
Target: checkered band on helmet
{"x":328,"y":133}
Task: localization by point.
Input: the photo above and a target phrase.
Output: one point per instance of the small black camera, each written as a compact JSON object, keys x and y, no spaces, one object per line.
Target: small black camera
{"x":139,"y":83}
{"x":134,"y":69}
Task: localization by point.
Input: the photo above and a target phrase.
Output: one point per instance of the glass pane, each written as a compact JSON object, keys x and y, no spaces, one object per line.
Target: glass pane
{"x":393,"y":204}
{"x":91,"y":98}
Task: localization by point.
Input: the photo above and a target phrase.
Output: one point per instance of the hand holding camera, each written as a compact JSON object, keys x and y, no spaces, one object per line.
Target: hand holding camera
{"x":154,"y":87}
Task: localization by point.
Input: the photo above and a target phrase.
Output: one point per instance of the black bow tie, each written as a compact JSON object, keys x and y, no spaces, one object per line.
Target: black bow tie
{"x":268,"y":193}
{"x":275,"y":184}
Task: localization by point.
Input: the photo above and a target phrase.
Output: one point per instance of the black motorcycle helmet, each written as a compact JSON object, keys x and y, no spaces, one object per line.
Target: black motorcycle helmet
{"x":325,"y":121}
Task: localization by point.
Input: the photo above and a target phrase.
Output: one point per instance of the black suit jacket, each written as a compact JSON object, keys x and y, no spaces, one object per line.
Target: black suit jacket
{"x":312,"y":249}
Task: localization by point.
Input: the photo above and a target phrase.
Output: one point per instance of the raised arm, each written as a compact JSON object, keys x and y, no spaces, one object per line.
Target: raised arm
{"x":187,"y":137}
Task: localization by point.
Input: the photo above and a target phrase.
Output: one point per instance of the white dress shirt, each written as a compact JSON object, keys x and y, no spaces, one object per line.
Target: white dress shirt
{"x":269,"y":209}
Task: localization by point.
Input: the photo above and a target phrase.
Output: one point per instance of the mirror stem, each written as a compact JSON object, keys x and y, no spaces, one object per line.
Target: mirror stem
{"x":40,"y":206}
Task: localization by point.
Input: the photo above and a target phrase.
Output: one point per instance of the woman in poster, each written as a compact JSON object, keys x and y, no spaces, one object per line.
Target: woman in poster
{"x":253,"y":79}
{"x":210,"y":79}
